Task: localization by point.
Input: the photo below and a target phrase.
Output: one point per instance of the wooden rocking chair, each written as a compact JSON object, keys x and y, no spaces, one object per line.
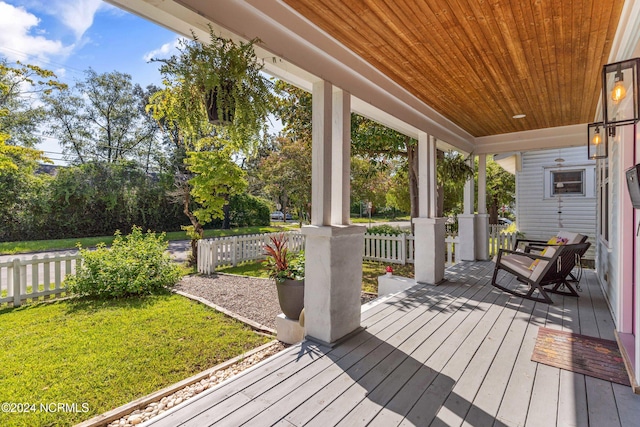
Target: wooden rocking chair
{"x":551,"y":270}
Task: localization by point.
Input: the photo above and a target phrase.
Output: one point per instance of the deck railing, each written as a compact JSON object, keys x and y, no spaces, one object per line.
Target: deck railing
{"x":40,"y":276}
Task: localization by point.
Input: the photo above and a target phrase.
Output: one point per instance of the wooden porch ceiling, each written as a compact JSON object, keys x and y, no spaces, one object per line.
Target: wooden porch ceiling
{"x":479,"y":62}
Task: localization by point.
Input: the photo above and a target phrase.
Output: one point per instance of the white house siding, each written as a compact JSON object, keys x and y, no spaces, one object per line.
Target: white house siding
{"x":537,"y":208}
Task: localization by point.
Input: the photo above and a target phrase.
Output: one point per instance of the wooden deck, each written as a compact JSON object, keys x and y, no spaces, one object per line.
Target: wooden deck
{"x":454,"y":354}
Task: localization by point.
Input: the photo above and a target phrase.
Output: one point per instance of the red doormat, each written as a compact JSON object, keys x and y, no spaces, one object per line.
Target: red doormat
{"x":590,"y":356}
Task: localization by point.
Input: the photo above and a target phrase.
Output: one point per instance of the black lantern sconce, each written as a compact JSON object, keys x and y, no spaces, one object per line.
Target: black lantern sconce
{"x":620,"y":93}
{"x":598,"y":147}
{"x":621,"y":105}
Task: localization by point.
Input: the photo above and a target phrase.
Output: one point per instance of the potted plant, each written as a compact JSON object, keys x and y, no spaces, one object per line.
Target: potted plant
{"x":219,"y":80}
{"x":287,"y":270}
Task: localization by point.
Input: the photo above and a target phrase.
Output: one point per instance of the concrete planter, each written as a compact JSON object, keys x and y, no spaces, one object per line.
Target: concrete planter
{"x":291,"y":297}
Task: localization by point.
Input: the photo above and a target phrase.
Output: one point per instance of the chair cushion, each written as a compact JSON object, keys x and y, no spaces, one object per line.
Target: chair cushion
{"x":537,"y":271}
{"x":512,"y":262}
{"x":552,"y":241}
{"x":570,"y":237}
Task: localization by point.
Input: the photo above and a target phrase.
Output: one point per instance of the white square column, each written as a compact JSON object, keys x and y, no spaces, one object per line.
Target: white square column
{"x":467,"y":222}
{"x":482,"y":219}
{"x":334,"y":249}
{"x":429,"y":231}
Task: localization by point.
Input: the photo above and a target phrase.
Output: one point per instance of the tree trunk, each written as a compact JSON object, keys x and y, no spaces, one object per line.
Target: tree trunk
{"x":493,"y":211}
{"x":226,"y":209}
{"x":197,"y":228}
{"x":439,"y":189}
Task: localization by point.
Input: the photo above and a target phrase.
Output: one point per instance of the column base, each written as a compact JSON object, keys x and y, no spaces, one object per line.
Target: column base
{"x":467,"y":234}
{"x":482,"y":237}
{"x":333,"y":281}
{"x":429,"y":255}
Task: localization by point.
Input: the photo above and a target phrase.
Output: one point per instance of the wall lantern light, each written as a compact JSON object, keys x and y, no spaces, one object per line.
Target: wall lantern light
{"x":598,"y":141}
{"x":620,"y":93}
{"x":621,"y":105}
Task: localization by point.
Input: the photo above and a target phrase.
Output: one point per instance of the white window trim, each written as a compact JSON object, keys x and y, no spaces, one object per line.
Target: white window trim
{"x":588,"y":175}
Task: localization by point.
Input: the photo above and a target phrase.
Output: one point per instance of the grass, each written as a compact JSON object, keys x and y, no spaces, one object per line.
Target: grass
{"x":365,"y":220}
{"x":370,"y":272}
{"x":9,"y":248}
{"x":107,"y":353}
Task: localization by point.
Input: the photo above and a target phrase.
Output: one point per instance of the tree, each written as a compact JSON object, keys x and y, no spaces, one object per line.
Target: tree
{"x":376,"y":144}
{"x":19,"y":188}
{"x":375,"y":141}
{"x":100,"y":119}
{"x":286,"y":174}
{"x":20,"y":89}
{"x":501,"y":189}
{"x":370,"y":181}
{"x":19,"y":119}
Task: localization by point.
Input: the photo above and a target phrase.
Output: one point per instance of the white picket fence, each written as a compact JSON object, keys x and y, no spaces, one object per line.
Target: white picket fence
{"x":223,"y":251}
{"x":498,"y":239}
{"x":40,"y":276}
{"x":389,"y":248}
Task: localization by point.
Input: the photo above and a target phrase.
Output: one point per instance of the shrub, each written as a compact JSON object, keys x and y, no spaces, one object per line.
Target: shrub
{"x":247,"y":210}
{"x":136,"y":264}
{"x":385,"y":229}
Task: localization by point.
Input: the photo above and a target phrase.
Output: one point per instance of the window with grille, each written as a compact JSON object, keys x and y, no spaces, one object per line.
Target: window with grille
{"x":567,"y":182}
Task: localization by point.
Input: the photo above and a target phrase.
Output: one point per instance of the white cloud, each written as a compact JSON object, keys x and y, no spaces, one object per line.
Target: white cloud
{"x":16,"y":40}
{"x":163,"y":51}
{"x":76,"y":15}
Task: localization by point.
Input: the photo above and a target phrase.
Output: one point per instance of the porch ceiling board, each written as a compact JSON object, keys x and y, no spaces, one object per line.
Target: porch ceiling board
{"x":477,"y":62}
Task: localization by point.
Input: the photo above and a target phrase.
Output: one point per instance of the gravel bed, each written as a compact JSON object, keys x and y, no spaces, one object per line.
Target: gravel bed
{"x":251,"y":297}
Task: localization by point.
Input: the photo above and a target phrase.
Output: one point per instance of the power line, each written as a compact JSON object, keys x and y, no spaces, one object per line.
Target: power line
{"x":46,"y":61}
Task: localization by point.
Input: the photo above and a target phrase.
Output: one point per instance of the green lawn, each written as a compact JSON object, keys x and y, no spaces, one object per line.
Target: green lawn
{"x":365,"y":220}
{"x":370,"y":272}
{"x":107,"y":353}
{"x":7,"y":248}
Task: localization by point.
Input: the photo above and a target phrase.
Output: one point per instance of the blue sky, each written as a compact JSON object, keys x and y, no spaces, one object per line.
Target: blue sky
{"x":69,"y":36}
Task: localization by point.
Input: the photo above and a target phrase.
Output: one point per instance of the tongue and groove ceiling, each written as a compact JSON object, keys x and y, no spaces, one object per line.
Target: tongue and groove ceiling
{"x":480,"y":62}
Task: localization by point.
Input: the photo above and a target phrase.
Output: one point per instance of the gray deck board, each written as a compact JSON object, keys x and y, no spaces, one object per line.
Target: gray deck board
{"x":454,"y":354}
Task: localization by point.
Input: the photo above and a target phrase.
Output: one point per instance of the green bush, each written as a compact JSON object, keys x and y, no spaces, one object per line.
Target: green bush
{"x":136,"y":264}
{"x":385,"y":229}
{"x":247,"y":210}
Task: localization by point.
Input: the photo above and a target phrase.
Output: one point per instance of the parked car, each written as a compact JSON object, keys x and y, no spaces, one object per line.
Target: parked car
{"x":504,"y":221}
{"x":277,"y":216}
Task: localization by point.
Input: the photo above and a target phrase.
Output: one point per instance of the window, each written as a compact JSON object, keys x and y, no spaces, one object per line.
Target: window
{"x":569,"y":182}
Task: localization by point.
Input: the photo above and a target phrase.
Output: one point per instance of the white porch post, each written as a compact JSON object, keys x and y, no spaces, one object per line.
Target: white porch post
{"x":333,"y":248}
{"x":482,"y":219}
{"x":467,"y":221}
{"x":429,"y":231}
